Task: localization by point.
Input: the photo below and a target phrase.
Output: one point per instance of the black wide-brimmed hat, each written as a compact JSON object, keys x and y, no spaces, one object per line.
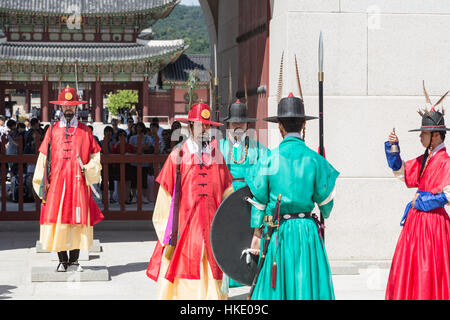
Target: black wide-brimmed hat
{"x":432,"y":120}
{"x":290,"y":107}
{"x":238,"y":113}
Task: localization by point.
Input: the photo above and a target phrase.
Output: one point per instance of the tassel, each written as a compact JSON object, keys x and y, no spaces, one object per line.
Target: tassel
{"x":274,"y":275}
{"x":169,"y":252}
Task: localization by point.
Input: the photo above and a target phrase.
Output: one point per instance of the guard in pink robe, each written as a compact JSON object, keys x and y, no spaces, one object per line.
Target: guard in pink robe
{"x":421,"y":264}
{"x":187,"y":269}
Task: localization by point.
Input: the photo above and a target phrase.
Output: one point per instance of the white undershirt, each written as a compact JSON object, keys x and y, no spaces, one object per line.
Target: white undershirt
{"x":73,"y":122}
{"x":193,"y":147}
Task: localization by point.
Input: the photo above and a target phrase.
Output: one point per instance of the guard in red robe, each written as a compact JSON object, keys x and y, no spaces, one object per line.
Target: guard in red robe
{"x":68,"y":163}
{"x":183,"y":262}
{"x":421,"y":264}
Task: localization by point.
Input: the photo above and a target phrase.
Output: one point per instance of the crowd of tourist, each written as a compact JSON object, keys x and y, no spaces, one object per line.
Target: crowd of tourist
{"x":136,"y":137}
{"x":149,"y":140}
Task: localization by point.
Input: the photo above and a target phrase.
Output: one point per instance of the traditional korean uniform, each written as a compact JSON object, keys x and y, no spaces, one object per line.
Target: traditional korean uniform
{"x":240,"y":155}
{"x":191,"y":272}
{"x":296,"y":265}
{"x":421,"y":263}
{"x":69,"y":211}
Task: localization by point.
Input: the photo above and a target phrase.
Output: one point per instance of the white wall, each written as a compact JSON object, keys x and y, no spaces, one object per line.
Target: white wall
{"x":377,"y":53}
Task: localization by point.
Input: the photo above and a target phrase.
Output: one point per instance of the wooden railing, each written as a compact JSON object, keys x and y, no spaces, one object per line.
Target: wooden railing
{"x":138,"y":211}
{"x":156,"y":160}
{"x":20,"y":159}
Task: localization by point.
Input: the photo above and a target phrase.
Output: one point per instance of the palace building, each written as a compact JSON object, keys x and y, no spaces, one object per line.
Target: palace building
{"x":104,"y":45}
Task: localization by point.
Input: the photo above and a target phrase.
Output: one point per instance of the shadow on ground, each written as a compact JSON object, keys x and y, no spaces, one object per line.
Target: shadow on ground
{"x":108,"y":236}
{"x":114,"y":271}
{"x":4,"y":291}
{"x":24,"y":234}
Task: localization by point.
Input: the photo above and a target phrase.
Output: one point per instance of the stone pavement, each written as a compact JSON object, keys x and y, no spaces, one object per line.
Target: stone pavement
{"x":126,"y":250}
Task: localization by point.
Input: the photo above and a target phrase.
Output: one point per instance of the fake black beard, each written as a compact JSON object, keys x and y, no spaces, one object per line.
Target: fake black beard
{"x":69,"y":116}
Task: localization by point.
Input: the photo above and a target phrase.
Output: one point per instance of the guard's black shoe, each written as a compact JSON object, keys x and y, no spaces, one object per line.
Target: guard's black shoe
{"x":74,"y":266}
{"x":62,"y":267}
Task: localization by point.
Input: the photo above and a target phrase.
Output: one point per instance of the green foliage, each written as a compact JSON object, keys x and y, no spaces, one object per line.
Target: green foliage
{"x":121,"y":99}
{"x":184,"y":22}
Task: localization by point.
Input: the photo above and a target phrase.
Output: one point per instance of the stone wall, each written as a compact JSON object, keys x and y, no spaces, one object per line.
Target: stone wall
{"x":377,"y":53}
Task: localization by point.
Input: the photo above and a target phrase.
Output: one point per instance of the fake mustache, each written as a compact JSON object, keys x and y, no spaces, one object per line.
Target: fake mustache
{"x":69,"y":115}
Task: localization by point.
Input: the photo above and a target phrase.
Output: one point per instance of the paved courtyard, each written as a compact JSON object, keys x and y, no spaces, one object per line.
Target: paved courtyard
{"x":126,"y":250}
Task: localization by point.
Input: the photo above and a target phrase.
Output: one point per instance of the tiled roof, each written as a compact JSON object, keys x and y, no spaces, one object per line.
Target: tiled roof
{"x":179,"y":70}
{"x":83,"y":6}
{"x":87,"y":52}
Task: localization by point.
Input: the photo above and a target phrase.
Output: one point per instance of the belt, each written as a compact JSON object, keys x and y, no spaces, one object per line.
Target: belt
{"x":301,"y":215}
{"x":270,"y":220}
{"x":239,"y":180}
{"x":287,"y":216}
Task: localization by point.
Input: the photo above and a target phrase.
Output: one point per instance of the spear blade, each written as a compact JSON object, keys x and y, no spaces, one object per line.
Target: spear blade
{"x":320,"y":52}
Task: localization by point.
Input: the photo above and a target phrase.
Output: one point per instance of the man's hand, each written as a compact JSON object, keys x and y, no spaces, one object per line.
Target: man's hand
{"x":256,"y":240}
{"x":393,"y":138}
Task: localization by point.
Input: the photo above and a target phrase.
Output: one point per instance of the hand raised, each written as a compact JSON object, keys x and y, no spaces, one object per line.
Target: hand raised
{"x":393,"y":138}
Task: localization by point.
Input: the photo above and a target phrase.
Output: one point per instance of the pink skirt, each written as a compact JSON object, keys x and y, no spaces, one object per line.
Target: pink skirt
{"x":420,"y":267}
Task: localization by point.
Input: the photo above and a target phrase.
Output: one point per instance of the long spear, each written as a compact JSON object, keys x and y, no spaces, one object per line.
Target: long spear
{"x":321,"y":147}
{"x":216,"y":85}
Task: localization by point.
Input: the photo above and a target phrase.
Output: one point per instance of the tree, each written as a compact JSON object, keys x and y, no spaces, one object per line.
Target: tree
{"x":121,"y":99}
{"x":184,"y":22}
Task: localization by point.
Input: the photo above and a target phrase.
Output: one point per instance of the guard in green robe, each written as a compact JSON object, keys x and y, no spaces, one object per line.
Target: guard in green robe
{"x":295,"y":266}
{"x":241,"y":153}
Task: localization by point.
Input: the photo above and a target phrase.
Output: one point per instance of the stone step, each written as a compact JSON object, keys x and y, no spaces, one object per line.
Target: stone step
{"x":343,"y":268}
{"x":353,"y":267}
{"x":96,"y":247}
{"x":49,"y":274}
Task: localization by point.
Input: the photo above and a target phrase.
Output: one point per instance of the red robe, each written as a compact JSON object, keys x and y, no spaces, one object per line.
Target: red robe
{"x":421,"y":263}
{"x":65,"y":170}
{"x":201,"y":194}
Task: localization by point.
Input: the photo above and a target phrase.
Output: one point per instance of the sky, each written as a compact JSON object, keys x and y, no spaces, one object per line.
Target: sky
{"x":190,"y":2}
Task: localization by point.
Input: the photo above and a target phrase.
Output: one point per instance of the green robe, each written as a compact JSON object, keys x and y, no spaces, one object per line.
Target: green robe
{"x":303,"y":177}
{"x":245,"y":170}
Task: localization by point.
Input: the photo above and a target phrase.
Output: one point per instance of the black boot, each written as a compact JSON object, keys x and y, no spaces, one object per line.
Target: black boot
{"x":73,"y":261}
{"x":63,"y":262}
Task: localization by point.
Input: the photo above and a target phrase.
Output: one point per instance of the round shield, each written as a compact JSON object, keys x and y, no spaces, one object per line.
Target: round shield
{"x":231,"y":235}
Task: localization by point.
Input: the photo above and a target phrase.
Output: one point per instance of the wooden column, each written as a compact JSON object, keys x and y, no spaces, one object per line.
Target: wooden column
{"x":87,"y":97}
{"x":2,"y":100}
{"x":98,"y":101}
{"x":145,"y":100}
{"x":45,"y":110}
{"x":27,"y":101}
{"x":172,"y":105}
